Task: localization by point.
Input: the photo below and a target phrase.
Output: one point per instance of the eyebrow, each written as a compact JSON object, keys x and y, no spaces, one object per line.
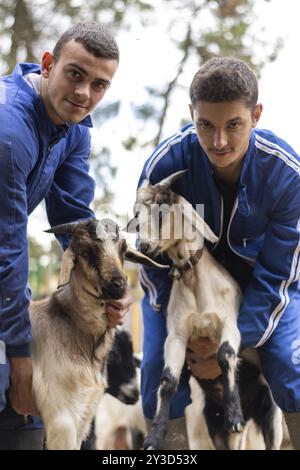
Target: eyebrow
{"x":237,"y":118}
{"x":84,"y":72}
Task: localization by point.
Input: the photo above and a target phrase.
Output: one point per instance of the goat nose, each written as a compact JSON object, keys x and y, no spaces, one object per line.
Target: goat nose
{"x":118,"y":282}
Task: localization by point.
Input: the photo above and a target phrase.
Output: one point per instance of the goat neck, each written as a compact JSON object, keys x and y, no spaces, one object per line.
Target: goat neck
{"x":183,"y":261}
{"x":83,"y":305}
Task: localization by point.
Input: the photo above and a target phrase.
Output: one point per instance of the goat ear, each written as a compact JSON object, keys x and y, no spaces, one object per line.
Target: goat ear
{"x":138,"y":257}
{"x":193,"y":219}
{"x":67,"y":266}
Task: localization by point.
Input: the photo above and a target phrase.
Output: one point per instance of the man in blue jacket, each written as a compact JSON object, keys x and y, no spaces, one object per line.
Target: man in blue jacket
{"x":44,"y":151}
{"x":249,"y":183}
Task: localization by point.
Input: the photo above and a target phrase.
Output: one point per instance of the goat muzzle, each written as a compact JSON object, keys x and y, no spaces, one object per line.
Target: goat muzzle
{"x":115,"y":288}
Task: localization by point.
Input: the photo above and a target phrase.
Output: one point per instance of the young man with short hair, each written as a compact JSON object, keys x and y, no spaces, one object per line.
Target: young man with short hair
{"x":248,"y":180}
{"x":44,"y":151}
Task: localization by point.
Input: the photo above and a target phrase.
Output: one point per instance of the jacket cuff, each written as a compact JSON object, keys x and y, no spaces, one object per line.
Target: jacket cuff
{"x":22,"y":350}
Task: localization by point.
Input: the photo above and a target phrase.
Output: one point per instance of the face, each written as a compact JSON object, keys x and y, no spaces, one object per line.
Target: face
{"x":223,"y":130}
{"x":75,"y":84}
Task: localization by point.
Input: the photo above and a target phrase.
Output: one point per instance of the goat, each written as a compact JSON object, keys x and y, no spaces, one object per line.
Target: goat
{"x":119,"y":426}
{"x":71,"y":339}
{"x":121,"y":377}
{"x":204,"y":299}
{"x":121,"y":369}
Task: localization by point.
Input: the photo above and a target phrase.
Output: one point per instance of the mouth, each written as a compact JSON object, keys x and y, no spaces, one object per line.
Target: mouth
{"x":221,"y":153}
{"x":75,"y":104}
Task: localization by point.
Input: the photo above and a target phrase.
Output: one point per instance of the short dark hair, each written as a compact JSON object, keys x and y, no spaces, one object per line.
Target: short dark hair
{"x":224,"y":79}
{"x":96,"y":40}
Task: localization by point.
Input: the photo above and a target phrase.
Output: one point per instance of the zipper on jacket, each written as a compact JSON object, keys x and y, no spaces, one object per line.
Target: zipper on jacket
{"x":51,"y":144}
{"x":222,"y":221}
{"x":228,"y":229}
{"x":244,"y":240}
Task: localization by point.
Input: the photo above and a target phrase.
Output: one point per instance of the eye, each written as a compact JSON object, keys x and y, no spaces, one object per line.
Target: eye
{"x":204,"y":125}
{"x":100,"y":86}
{"x":83,"y":249}
{"x":74,"y":74}
{"x":234,"y":125}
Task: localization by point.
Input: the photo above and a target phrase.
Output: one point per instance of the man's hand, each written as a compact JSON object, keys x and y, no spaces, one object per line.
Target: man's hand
{"x":20,"y":390}
{"x":201,"y":358}
{"x":117,"y":309}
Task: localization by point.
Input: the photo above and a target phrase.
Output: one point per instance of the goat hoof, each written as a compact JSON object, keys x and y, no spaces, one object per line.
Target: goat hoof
{"x":238,"y":427}
{"x":234,"y":423}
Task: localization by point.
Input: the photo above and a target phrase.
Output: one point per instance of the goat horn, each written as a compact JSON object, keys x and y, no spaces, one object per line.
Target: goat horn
{"x":63,"y":229}
{"x":167,"y":182}
{"x":138,"y":257}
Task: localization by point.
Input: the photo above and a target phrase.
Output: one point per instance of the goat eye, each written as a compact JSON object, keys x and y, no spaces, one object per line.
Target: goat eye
{"x":83,"y":249}
{"x":83,"y":252}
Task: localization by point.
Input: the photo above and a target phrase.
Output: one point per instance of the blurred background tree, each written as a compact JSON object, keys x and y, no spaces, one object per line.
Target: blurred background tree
{"x":195,"y":30}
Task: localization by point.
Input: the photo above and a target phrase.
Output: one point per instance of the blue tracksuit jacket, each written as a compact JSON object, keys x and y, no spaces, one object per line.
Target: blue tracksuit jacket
{"x":37,"y":160}
{"x":264,"y":231}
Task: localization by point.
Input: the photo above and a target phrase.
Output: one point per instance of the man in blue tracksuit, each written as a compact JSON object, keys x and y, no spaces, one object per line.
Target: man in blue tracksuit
{"x":249,"y":183}
{"x":44,"y":151}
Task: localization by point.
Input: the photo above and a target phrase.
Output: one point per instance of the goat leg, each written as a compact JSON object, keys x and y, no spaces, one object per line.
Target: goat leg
{"x":159,"y":428}
{"x":233,"y":415}
{"x":175,"y":348}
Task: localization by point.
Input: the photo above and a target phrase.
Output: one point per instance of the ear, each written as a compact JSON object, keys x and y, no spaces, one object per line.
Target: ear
{"x":191,"y":111}
{"x":257,"y":114}
{"x":67,"y":266}
{"x":193,"y":220}
{"x":137,"y":257}
{"x":47,"y":64}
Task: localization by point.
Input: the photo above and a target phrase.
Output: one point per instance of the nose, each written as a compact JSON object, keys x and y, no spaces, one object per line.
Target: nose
{"x":82,"y":91}
{"x":220,"y":139}
{"x":114,"y":288}
{"x":118,"y":282}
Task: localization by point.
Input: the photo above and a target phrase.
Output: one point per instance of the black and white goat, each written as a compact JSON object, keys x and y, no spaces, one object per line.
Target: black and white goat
{"x":71,"y":339}
{"x":204,"y":300}
{"x":121,"y":369}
